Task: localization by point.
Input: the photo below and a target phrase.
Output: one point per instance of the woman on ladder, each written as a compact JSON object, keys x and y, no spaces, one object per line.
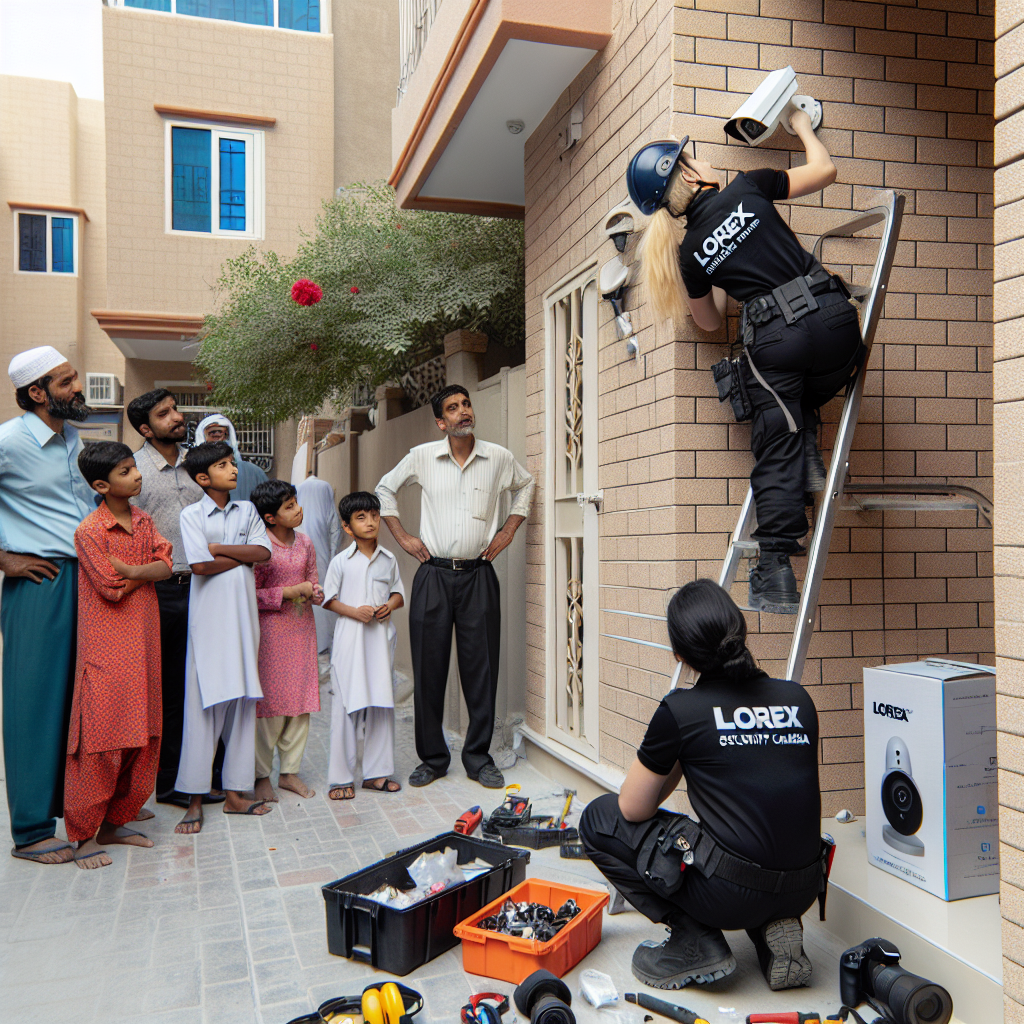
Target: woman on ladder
{"x":801,"y":336}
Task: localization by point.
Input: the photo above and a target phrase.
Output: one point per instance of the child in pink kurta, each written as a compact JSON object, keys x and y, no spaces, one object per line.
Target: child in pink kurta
{"x":286,"y":588}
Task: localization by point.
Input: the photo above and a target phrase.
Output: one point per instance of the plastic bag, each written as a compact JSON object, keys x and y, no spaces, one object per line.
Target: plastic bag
{"x":429,"y":869}
{"x":598,"y":989}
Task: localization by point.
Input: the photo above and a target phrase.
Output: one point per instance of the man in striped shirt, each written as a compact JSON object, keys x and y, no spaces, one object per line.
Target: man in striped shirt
{"x":461,"y":480}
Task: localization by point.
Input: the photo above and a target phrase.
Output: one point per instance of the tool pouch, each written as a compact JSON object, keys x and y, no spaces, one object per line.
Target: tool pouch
{"x":732,"y":387}
{"x":666,"y":851}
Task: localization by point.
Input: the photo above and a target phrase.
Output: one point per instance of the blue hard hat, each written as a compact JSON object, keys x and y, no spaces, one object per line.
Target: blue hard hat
{"x":649,"y":172}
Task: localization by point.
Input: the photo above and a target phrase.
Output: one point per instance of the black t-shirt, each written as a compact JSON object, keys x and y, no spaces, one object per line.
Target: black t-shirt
{"x":736,"y":240}
{"x":749,"y":752}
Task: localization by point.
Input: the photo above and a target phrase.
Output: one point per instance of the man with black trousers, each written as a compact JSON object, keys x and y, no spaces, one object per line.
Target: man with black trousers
{"x":461,"y":480}
{"x":166,"y":490}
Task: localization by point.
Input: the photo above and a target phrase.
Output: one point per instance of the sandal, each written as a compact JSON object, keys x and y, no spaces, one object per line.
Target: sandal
{"x":37,"y":855}
{"x":386,"y":785}
{"x":253,"y":808}
{"x":348,"y":792}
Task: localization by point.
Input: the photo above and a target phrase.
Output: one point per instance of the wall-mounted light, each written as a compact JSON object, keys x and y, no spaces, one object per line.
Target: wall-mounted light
{"x":515,"y":127}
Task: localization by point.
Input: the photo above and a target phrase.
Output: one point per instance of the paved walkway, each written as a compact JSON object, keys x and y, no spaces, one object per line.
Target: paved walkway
{"x":228,"y":927}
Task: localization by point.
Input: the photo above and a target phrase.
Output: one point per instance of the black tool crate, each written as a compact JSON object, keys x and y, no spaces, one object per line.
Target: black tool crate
{"x":399,"y":941}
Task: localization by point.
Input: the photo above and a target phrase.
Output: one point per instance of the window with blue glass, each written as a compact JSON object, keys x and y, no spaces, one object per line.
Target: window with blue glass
{"x":215,"y":180}
{"x":300,"y":15}
{"x":232,"y":185}
{"x":47,"y":243}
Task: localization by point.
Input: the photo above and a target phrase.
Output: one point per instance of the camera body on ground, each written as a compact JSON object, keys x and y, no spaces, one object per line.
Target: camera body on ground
{"x":871,"y":972}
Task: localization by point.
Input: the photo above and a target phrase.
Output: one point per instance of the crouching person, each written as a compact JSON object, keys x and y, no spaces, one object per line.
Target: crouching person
{"x":114,"y":738}
{"x":747,"y":746}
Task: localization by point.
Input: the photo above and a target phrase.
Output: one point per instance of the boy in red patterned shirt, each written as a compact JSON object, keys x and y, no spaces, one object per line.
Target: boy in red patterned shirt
{"x":114,"y":737}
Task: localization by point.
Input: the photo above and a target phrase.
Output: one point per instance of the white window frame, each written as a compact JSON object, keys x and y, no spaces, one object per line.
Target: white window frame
{"x":49,"y":215}
{"x":325,"y":17}
{"x":255,"y":179}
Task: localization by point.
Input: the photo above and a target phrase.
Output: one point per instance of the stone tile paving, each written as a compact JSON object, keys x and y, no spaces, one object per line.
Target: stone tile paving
{"x":227,"y":927}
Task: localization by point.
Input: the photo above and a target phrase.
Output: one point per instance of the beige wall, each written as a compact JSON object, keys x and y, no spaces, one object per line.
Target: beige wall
{"x":207,"y":65}
{"x":1009,"y":485}
{"x":365,"y":81}
{"x":907,"y":105}
{"x":52,"y":151}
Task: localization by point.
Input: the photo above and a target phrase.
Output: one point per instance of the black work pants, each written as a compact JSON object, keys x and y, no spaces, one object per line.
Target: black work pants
{"x":805,"y":363}
{"x":172,"y":598}
{"x":470,"y":600}
{"x":613,"y":843}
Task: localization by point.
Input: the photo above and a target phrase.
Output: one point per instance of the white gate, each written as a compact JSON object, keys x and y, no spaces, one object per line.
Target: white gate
{"x":572,"y":502}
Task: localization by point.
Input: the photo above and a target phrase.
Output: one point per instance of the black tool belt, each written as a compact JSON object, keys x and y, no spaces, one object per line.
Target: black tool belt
{"x":458,"y":564}
{"x":677,"y":842}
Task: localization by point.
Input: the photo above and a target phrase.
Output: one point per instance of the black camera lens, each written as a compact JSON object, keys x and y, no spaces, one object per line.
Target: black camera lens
{"x":910,"y":999}
{"x":902,"y":797}
{"x":901,"y":803}
{"x":753,"y":129}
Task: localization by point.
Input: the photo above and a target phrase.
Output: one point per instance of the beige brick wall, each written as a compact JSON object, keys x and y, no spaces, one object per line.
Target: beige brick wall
{"x":1008,"y":478}
{"x":207,"y":65}
{"x":908,"y":105}
{"x":52,"y":152}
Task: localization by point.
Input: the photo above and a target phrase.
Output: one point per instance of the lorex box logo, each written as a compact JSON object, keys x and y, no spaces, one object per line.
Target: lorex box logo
{"x":774,"y":717}
{"x":891,"y":711}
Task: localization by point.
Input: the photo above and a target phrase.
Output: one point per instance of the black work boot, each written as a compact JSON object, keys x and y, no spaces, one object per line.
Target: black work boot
{"x":692,"y":953}
{"x":814,"y":464}
{"x":773,"y":585}
{"x":780,"y":952}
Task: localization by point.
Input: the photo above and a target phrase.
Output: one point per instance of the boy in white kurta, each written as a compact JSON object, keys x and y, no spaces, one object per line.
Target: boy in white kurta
{"x":363,"y":587}
{"x":221,"y":539}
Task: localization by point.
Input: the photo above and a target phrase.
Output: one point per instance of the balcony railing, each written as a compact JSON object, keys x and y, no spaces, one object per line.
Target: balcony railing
{"x":415,"y":20}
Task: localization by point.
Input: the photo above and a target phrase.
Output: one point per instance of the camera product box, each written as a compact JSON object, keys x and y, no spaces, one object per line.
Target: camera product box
{"x":930,"y":775}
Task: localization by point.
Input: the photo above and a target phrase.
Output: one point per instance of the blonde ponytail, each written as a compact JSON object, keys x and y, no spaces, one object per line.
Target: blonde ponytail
{"x":659,"y":254}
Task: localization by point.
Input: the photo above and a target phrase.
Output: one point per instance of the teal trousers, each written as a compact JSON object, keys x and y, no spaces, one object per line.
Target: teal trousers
{"x":39,"y":626}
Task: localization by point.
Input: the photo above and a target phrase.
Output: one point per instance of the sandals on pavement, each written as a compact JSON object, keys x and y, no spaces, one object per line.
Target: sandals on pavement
{"x":347,"y":792}
{"x":253,"y":808}
{"x":37,"y":855}
{"x":386,"y":785}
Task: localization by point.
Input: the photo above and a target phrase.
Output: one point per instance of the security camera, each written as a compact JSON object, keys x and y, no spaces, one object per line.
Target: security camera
{"x":613,"y":281}
{"x":621,"y":222}
{"x":901,"y":801}
{"x":772,"y":101}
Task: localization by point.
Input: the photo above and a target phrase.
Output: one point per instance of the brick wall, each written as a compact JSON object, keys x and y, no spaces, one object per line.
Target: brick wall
{"x":1008,"y":473}
{"x":908,"y":105}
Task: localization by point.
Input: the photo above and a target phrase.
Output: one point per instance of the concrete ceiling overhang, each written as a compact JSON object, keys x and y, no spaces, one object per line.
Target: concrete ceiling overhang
{"x":506,"y":60}
{"x":167,"y":337}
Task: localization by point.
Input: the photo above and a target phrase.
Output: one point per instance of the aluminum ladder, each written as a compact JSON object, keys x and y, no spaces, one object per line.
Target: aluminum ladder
{"x":889,"y":213}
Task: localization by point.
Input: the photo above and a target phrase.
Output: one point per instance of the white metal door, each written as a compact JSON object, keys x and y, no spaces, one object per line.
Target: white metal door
{"x":572,"y":502}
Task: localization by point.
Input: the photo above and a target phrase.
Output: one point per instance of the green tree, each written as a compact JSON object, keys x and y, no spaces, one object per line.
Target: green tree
{"x":394,"y":283}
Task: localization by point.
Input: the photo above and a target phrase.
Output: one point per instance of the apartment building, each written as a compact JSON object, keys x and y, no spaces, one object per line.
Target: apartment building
{"x":224,"y":126}
{"x":513,"y":108}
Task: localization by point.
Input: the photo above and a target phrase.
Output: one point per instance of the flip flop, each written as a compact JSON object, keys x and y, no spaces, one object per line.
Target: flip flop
{"x":189,"y":821}
{"x":384,"y":787}
{"x":37,"y":855}
{"x":89,"y":856}
{"x":251,"y":809}
{"x":341,"y":789}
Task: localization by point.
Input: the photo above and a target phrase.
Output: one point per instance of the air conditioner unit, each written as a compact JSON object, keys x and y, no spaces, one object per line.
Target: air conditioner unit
{"x":102,"y":389}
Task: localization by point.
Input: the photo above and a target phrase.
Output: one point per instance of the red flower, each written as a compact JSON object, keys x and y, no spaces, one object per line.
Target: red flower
{"x":306,"y":293}
{"x":398,"y":226}
{"x":354,"y":290}
{"x":209,"y":386}
{"x":314,"y":346}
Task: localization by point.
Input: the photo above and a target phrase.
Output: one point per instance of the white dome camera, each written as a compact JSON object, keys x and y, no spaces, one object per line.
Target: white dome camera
{"x":771,"y":102}
{"x":901,"y":801}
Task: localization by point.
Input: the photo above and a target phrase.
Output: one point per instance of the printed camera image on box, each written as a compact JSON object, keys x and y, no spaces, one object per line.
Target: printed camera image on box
{"x":932,"y":814}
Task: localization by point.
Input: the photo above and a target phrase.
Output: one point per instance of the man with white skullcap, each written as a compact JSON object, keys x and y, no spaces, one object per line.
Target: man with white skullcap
{"x":43,"y":498}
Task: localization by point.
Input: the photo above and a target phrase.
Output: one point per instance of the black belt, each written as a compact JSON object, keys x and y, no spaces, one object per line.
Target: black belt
{"x":458,"y":564}
{"x":181,"y":578}
{"x":792,"y":300}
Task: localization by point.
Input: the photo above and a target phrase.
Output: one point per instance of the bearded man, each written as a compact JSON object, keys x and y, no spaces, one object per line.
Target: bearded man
{"x":461,"y":480}
{"x":43,"y":498}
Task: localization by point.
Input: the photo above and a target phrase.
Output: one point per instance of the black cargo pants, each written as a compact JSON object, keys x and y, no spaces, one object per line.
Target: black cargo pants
{"x":806,"y":363}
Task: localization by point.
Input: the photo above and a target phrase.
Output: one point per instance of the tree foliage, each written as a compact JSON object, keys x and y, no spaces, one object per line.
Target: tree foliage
{"x":394,"y":283}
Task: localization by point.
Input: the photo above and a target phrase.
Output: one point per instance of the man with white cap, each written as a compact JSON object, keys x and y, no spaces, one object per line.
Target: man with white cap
{"x":217,"y":427}
{"x":43,"y":498}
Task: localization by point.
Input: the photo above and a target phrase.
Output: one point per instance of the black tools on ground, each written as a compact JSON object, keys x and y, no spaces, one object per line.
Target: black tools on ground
{"x":545,"y":999}
{"x":513,"y":825}
{"x":666,"y":1009}
{"x":530,"y":920}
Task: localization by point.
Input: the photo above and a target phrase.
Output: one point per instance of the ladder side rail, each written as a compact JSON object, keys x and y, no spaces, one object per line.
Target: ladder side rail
{"x":740,"y":536}
{"x":839,"y":463}
{"x":983,"y":504}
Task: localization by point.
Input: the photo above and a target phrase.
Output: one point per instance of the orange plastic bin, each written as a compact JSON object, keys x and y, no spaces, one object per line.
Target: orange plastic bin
{"x":511,"y":958}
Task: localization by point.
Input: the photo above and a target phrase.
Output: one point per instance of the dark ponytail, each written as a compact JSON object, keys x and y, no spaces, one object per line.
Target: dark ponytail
{"x":708,"y":631}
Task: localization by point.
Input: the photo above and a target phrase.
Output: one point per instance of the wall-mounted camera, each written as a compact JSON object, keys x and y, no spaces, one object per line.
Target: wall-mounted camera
{"x":901,"y":801}
{"x":621,"y":222}
{"x":771,"y":102}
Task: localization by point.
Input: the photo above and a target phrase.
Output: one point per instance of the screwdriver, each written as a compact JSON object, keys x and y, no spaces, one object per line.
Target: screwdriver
{"x":670,"y":1010}
{"x":792,"y":1017}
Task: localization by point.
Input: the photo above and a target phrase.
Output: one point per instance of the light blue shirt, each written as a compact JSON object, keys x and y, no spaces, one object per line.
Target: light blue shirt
{"x":43,"y":496}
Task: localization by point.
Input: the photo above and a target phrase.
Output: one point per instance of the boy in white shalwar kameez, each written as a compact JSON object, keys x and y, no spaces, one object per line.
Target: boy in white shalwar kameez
{"x":222,"y":539}
{"x":363,"y":587}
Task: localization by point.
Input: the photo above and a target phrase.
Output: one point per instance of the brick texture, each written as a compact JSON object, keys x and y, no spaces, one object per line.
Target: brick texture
{"x":908,"y":105}
{"x":1008,"y":475}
